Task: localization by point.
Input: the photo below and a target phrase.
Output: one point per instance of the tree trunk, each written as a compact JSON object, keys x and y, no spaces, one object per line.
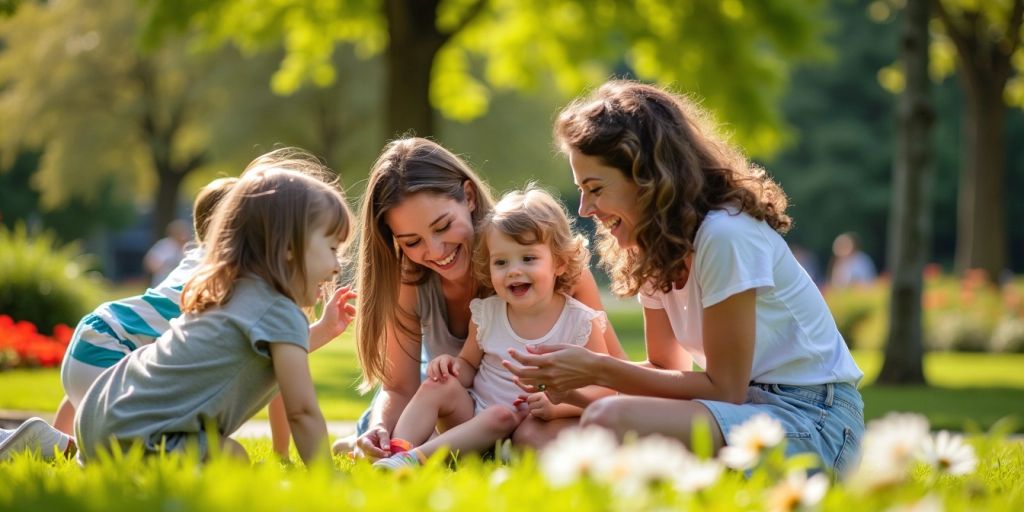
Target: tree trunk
{"x":981,"y":209}
{"x":909,"y":223}
{"x":414,"y":41}
{"x":167,"y":187}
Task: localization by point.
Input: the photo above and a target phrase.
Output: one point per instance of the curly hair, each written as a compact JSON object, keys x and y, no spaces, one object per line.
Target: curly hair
{"x":532,"y":216}
{"x":669,"y":147}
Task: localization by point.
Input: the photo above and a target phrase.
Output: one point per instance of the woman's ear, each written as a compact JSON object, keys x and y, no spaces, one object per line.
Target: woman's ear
{"x":470,"y":192}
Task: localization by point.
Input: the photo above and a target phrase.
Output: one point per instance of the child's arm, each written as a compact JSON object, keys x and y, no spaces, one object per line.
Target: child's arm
{"x":337,"y":315}
{"x":309,"y":430}
{"x":470,"y":357}
{"x":280,"y":434}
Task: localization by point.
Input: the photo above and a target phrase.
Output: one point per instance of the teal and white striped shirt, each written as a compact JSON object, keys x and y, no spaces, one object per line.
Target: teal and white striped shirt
{"x":117,"y":328}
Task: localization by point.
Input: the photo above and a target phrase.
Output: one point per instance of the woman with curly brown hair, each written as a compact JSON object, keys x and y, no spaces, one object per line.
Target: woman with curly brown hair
{"x":693,"y":228}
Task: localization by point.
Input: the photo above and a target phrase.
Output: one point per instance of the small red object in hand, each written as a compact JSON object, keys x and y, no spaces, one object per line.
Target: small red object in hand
{"x":399,"y":446}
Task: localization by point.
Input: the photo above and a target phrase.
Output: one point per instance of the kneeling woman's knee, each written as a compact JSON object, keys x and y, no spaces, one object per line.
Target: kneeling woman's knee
{"x":609,"y":413}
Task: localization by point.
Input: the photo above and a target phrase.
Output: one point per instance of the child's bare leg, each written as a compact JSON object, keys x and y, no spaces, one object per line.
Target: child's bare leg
{"x":478,"y":434}
{"x":536,"y":433}
{"x":280,"y":432}
{"x":436,"y":402}
{"x":64,"y":419}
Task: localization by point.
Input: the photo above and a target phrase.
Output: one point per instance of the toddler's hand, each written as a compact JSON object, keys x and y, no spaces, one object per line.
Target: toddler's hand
{"x":443,"y":366}
{"x":539,"y":406}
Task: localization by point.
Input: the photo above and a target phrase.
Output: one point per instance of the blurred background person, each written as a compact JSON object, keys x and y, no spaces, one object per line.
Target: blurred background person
{"x":850,"y":265}
{"x":167,"y":252}
{"x":809,"y":261}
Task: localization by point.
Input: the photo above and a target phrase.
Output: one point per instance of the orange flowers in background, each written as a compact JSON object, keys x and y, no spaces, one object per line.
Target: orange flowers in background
{"x":22,"y":345}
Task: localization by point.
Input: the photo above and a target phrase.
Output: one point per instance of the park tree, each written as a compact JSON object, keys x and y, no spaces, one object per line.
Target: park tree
{"x":112,"y":119}
{"x":451,"y":55}
{"x":979,"y":40}
{"x":76,"y":86}
{"x":985,"y":37}
{"x":909,"y":225}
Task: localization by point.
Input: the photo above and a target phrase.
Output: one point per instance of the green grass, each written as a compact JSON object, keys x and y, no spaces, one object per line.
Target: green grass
{"x":977,"y":387}
{"x":130,"y":482}
{"x":965,"y":389}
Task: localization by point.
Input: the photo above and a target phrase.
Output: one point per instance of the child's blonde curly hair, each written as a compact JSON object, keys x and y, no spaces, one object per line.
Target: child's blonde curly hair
{"x":532,"y":216}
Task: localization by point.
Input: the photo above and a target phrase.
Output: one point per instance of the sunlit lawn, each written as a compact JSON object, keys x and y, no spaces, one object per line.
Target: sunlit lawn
{"x":172,"y":483}
{"x":972,"y":386}
{"x":965,"y":387}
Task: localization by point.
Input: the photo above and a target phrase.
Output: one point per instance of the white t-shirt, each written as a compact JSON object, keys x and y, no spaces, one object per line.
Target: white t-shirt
{"x":493,"y":384}
{"x":796,"y":340}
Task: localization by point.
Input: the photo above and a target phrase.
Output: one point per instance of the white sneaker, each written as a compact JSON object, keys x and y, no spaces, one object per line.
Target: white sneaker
{"x":398,"y":461}
{"x":35,"y":434}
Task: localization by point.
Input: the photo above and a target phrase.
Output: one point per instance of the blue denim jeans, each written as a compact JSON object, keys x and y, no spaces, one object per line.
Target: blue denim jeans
{"x":824,"y":419}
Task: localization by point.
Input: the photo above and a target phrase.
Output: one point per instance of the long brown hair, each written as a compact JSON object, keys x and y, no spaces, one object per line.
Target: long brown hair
{"x":532,"y":216}
{"x":406,"y":167}
{"x":670,"y":149}
{"x":262,"y":226}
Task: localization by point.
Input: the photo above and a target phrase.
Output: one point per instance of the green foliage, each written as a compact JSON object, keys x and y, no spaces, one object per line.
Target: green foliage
{"x":105,"y":114}
{"x":42,"y":282}
{"x":837,"y":172}
{"x":75,"y":219}
{"x":130,"y":482}
{"x":7,"y":7}
{"x":700,"y":47}
{"x":988,"y":21}
{"x":854,"y":309}
{"x":967,"y":314}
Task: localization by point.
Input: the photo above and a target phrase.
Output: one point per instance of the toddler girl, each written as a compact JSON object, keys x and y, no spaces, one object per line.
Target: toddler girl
{"x":528,"y":256}
{"x":243,"y":334}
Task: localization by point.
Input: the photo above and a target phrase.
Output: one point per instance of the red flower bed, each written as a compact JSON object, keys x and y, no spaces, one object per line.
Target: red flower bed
{"x":22,"y":345}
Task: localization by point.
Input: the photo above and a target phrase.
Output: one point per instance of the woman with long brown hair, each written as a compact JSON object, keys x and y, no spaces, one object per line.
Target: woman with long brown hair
{"x":415,"y":281}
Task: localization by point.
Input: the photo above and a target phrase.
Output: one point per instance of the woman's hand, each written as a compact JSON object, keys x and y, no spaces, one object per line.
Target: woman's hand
{"x":375,"y":443}
{"x":336,"y":317}
{"x":557,"y":369}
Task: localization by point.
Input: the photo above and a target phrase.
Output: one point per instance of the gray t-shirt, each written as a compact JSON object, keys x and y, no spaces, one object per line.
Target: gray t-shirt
{"x":213,"y":367}
{"x":433,"y":312}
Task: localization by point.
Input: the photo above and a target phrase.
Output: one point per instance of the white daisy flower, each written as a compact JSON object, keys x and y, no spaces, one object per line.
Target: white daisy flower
{"x":698,"y":475}
{"x":638,"y":466}
{"x":749,"y":440}
{"x":577,"y":453}
{"x":889,"y":449}
{"x":797,"y":492}
{"x":948,"y":453}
